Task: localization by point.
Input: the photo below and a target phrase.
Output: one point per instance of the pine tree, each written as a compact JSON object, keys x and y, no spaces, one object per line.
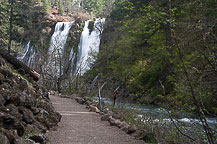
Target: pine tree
{"x":68,"y":5}
{"x":46,"y":6}
{"x":61,"y":8}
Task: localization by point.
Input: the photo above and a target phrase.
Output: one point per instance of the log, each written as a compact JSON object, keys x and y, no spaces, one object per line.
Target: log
{"x":18,"y":64}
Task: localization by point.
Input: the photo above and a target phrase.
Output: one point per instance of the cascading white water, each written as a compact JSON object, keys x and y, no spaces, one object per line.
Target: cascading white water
{"x":29,"y":55}
{"x":89,"y":44}
{"x":56,"y":50}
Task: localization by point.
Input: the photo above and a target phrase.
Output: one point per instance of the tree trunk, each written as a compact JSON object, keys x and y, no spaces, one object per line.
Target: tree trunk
{"x":19,"y":65}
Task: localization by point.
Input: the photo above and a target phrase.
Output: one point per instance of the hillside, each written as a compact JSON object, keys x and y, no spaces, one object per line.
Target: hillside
{"x":26,"y":112}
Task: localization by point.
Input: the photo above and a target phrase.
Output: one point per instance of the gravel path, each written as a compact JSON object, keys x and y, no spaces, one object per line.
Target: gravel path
{"x":79,"y":126}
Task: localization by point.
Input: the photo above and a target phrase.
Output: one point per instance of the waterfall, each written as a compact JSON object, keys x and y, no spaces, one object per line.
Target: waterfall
{"x":89,"y":45}
{"x":29,"y":55}
{"x":58,"y":58}
{"x":56,"y":50}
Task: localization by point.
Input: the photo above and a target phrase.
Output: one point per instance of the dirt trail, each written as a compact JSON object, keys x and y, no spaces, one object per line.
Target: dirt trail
{"x":79,"y":126}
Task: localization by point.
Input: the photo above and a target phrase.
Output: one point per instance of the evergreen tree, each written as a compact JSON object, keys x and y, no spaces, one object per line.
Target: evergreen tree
{"x":14,"y":22}
{"x":95,"y":6}
{"x":68,"y":5}
{"x":46,"y":6}
{"x":61,"y":8}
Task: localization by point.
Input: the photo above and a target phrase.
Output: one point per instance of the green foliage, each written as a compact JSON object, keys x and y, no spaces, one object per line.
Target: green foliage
{"x":22,"y":20}
{"x":60,"y":8}
{"x":46,"y":6}
{"x":37,"y":1}
{"x":136,"y":55}
{"x":68,"y":4}
{"x":95,"y":6}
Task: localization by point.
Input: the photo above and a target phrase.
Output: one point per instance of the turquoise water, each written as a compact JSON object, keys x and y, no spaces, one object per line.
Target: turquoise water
{"x":161,"y":114}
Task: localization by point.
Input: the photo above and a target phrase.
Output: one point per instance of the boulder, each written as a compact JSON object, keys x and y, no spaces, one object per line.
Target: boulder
{"x":88,"y":103}
{"x":35,"y":110}
{"x":94,"y":109}
{"x":25,"y":141}
{"x":12,"y":136}
{"x":23,"y":109}
{"x":123,"y":125}
{"x":105,"y":117}
{"x":27,"y":115}
{"x":38,"y":138}
{"x":116,"y":116}
{"x":80,"y":100}
{"x":106,"y":110}
{"x":19,"y":126}
{"x":23,"y":99}
{"x":2,"y":100}
{"x":125,"y":129}
{"x":23,"y":85}
{"x":7,"y":121}
{"x":115,"y":123}
{"x":13,"y":110}
{"x":38,"y":126}
{"x":42,"y":117}
{"x":132,"y":129}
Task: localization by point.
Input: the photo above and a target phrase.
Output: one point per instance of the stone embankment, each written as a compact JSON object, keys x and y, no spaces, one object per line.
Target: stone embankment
{"x":26,"y":112}
{"x":114,"y":118}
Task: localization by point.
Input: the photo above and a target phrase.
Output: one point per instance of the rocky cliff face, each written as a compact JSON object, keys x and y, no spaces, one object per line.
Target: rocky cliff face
{"x":25,"y":109}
